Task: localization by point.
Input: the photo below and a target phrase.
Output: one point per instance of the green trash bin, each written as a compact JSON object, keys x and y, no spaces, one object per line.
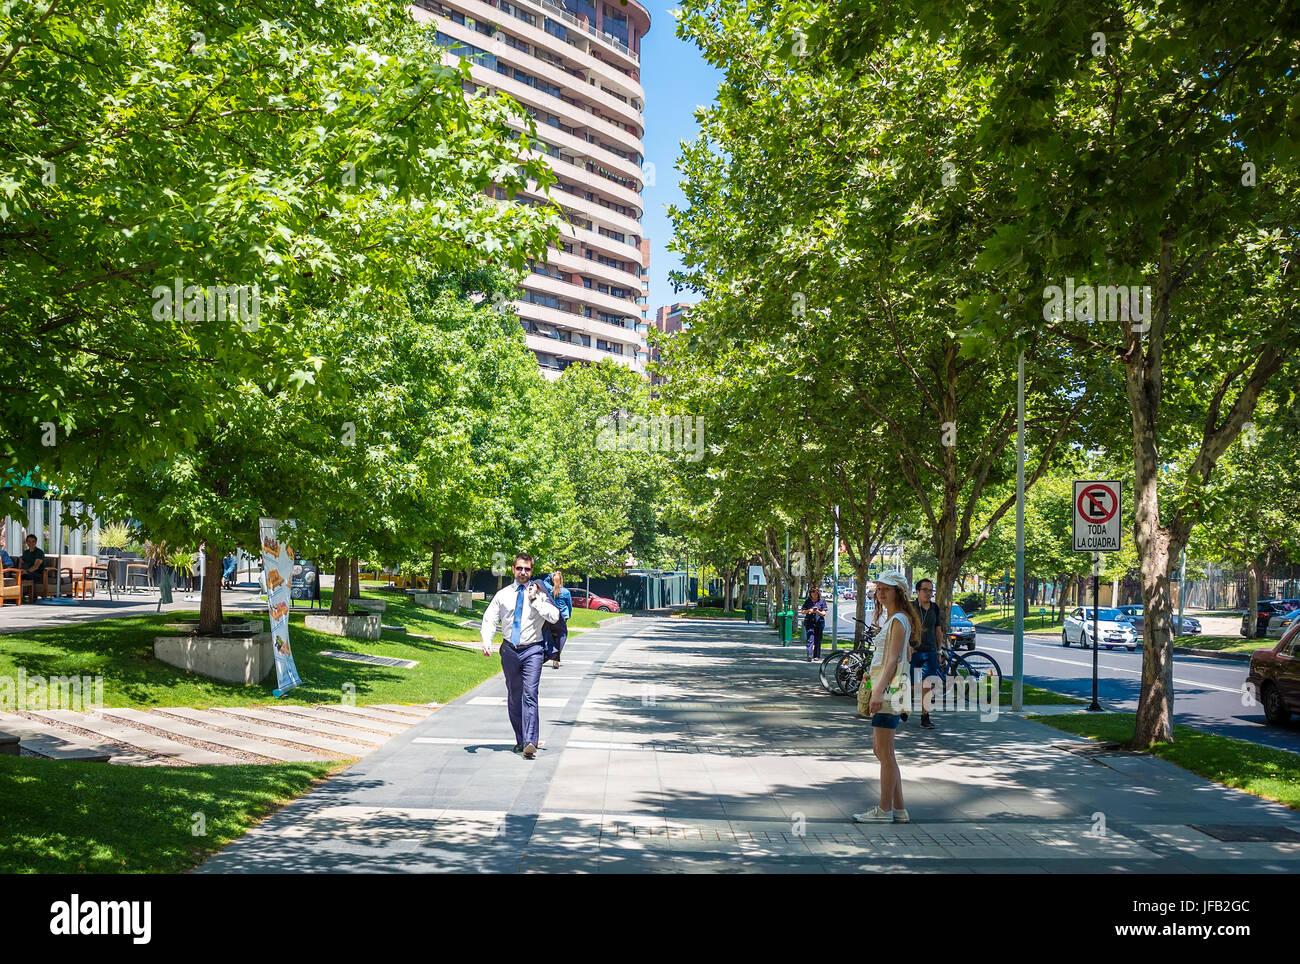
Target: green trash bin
{"x":749,"y":610}
{"x":787,"y":627}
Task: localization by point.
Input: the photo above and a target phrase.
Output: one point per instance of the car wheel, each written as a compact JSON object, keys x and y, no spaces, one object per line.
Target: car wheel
{"x":604,"y":609}
{"x":1275,"y":710}
{"x":971,"y":644}
{"x":1065,"y":640}
{"x":1131,"y":649}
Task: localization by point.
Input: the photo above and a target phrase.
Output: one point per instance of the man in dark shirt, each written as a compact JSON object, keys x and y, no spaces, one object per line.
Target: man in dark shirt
{"x":925,"y":656}
{"x":32,"y":565}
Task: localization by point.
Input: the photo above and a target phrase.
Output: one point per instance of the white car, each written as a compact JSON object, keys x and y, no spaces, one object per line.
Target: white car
{"x":1113,"y":628}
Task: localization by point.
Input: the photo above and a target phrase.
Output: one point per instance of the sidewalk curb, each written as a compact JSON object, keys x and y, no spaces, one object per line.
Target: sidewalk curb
{"x":1214,"y":653}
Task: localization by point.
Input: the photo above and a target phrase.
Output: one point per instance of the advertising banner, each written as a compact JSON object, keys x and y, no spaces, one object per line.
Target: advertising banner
{"x":277,"y":564}
{"x":306,"y":580}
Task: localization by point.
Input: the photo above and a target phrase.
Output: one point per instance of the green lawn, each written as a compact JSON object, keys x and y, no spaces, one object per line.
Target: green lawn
{"x":1033,"y":696}
{"x":1263,"y":771}
{"x":66,"y":817}
{"x":1227,"y":644}
{"x":991,"y":619}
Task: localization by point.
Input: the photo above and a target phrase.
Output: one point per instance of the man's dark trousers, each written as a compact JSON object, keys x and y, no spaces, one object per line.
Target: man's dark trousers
{"x":523,"y":672}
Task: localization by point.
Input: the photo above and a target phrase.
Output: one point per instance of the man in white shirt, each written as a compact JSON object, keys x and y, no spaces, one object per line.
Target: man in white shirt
{"x":520,"y":613}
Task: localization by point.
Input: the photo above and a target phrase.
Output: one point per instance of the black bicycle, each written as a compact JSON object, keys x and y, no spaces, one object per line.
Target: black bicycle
{"x":842,"y":671}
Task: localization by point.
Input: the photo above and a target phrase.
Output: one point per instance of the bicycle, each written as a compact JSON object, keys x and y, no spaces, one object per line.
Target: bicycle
{"x":972,"y":666}
{"x":841,"y":671}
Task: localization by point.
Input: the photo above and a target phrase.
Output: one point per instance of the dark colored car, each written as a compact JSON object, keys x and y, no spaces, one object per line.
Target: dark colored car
{"x":1191,"y":626}
{"x":589,"y":600}
{"x":961,"y":629}
{"x":1275,"y":677}
{"x":1266,"y":609}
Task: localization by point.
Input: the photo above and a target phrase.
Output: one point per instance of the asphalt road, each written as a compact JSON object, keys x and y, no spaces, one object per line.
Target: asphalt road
{"x":1207,"y":692}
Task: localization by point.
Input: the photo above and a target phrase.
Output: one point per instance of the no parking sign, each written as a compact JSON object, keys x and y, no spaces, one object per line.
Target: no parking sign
{"x":1097,"y":515}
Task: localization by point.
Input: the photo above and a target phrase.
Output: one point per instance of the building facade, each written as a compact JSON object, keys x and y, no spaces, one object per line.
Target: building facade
{"x":668,"y":319}
{"x":575,"y":67}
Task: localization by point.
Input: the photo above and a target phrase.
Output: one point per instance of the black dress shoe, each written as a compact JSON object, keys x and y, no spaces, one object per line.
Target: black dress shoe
{"x":519,"y":748}
{"x":529,"y":750}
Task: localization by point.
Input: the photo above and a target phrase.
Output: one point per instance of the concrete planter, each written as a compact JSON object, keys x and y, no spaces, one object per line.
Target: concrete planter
{"x":229,"y":626}
{"x":374,"y":605}
{"x":448,"y":602}
{"x":228,"y":659}
{"x":356,"y":627}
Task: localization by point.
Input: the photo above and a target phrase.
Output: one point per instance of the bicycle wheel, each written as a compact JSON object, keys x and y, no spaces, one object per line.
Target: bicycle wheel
{"x":984,"y":664}
{"x":848,"y":674}
{"x":826,"y":676}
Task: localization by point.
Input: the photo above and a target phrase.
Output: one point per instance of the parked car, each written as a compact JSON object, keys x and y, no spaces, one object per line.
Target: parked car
{"x":1266,"y":610}
{"x":1113,"y":628}
{"x":1190,"y":626}
{"x":589,"y":600}
{"x":1281,"y":623}
{"x":1275,"y":676}
{"x":961,"y":628}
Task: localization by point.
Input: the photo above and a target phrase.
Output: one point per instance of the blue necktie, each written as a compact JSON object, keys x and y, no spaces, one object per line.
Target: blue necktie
{"x":519,"y":612}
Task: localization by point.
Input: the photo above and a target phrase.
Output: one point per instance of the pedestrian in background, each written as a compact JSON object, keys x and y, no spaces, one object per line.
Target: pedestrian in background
{"x":520,"y":612}
{"x":924,"y":656}
{"x":814,"y":623}
{"x":557,"y":633}
{"x":888,"y":691}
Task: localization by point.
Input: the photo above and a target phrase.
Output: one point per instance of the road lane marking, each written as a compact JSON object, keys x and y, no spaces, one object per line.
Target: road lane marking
{"x":1118,"y":669}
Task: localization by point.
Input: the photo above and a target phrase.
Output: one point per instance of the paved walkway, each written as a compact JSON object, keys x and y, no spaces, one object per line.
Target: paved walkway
{"x":674,"y":745}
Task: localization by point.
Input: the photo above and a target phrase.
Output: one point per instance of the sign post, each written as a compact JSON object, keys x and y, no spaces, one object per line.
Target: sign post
{"x":1097,"y":519}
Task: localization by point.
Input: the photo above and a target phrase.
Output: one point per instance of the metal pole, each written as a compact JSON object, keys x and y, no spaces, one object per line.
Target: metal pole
{"x":1182,"y":592}
{"x":1096,"y":645}
{"x":835,"y":587}
{"x":1018,"y":640}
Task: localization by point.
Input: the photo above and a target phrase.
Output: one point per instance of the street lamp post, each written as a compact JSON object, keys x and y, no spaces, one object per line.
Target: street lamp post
{"x":1018,"y":641}
{"x":835,"y":587}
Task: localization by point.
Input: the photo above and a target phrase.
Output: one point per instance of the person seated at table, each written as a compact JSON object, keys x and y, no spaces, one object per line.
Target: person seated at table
{"x":32,"y":564}
{"x":228,"y":564}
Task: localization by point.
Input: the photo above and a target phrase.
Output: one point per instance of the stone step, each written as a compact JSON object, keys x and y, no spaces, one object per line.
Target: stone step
{"x":343,"y":719}
{"x":8,"y":744}
{"x":305,"y":723}
{"x":368,"y":713}
{"x":195,"y":731}
{"x":55,"y":743}
{"x":131,"y":736}
{"x":251,"y":728}
{"x":409,"y":709}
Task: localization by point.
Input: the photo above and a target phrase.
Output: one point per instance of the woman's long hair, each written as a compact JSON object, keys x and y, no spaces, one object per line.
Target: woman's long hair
{"x":906,"y":606}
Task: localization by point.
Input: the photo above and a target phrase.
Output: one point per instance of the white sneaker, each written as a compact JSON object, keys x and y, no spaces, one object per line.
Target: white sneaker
{"x":874,"y":815}
{"x":900,"y":816}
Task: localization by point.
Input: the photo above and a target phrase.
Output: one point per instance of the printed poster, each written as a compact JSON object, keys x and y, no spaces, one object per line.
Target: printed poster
{"x":277,"y":564}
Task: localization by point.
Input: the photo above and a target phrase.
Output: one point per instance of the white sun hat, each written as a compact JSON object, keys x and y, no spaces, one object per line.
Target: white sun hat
{"x":893,"y":578}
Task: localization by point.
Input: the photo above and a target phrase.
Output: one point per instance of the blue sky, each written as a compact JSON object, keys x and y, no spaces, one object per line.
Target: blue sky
{"x":676,"y":79}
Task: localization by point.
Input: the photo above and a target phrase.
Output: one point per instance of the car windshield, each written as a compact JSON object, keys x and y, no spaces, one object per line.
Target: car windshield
{"x":1105,"y":615}
{"x":1289,"y":605}
{"x":958,"y":613}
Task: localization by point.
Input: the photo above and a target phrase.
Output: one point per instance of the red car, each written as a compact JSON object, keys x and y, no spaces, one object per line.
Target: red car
{"x":589,"y":600}
{"x":1275,"y":677}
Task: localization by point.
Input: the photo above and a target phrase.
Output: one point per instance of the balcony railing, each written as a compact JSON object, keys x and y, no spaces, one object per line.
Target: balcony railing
{"x":551,"y":7}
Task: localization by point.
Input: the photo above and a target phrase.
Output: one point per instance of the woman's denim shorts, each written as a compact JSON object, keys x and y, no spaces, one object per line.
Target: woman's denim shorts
{"x":888,"y":721}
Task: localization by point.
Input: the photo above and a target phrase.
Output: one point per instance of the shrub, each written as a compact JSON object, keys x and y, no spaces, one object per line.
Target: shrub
{"x":713,"y":601}
{"x":972,"y":602}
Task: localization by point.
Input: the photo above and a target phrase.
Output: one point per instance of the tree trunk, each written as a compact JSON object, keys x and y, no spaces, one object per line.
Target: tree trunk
{"x":860,"y":577}
{"x":210,"y":601}
{"x":339,"y":601}
{"x":435,"y":569}
{"x":726,"y":596}
{"x":355,"y":591}
{"x":1252,"y":597}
